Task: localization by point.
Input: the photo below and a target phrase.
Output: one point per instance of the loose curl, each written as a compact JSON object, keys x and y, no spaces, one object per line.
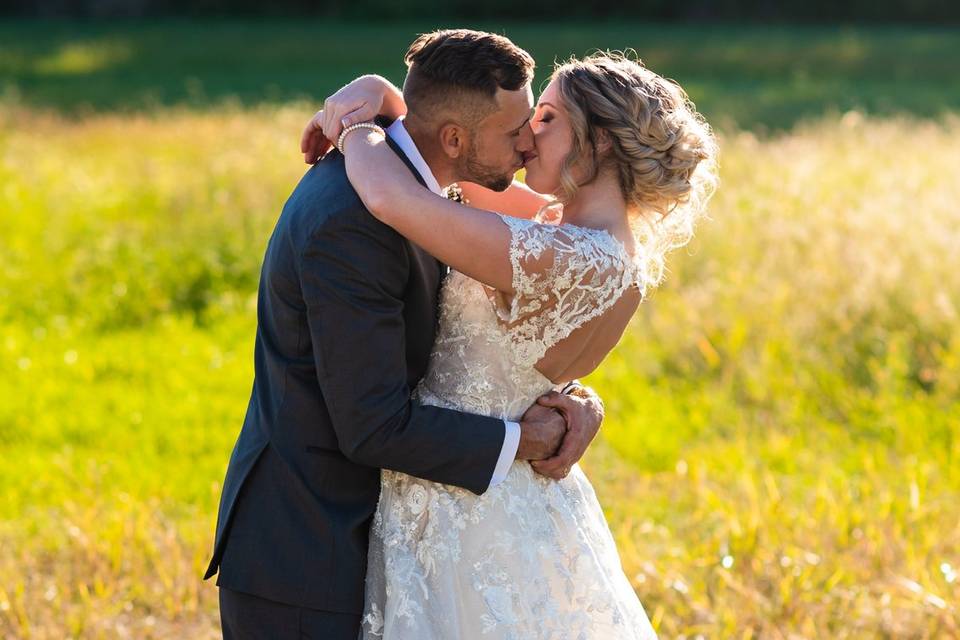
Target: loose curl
{"x":663,"y":151}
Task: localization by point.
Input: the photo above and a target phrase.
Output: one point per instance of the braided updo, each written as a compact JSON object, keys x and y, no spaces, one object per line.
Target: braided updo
{"x":661,"y":148}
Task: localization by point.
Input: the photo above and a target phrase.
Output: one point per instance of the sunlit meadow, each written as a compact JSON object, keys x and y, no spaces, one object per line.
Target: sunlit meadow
{"x":780,"y":454}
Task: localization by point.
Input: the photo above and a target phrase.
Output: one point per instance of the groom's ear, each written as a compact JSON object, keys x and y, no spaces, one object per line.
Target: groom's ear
{"x":453,"y":139}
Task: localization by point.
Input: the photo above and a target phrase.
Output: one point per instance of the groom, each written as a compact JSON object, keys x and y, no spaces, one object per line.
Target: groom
{"x":346,"y":321}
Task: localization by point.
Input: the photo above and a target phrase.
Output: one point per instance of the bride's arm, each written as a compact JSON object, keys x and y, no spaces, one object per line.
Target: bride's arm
{"x":371,"y":95}
{"x":519,"y":200}
{"x":472,"y":241}
{"x":361,"y":100}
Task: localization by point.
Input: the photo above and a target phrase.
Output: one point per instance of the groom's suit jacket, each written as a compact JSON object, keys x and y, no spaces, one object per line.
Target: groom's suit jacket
{"x":347,"y":312}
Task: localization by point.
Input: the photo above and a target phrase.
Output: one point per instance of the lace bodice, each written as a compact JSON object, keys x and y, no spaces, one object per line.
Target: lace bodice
{"x":488,"y":342}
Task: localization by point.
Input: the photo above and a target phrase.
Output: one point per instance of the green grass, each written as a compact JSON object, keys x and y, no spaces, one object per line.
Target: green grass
{"x":750,"y":76}
{"x":780,"y":454}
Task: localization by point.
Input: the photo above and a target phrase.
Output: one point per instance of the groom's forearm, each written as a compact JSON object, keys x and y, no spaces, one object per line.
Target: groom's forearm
{"x":427,"y":442}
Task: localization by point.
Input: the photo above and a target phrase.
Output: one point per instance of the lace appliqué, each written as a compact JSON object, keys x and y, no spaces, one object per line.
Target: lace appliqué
{"x":563,"y":277}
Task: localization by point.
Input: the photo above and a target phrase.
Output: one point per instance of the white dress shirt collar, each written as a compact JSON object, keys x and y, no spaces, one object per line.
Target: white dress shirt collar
{"x":399,"y":134}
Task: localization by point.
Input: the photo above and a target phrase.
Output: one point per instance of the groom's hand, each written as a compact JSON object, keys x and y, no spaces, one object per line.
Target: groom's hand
{"x":541,"y":431}
{"x":583,"y":412}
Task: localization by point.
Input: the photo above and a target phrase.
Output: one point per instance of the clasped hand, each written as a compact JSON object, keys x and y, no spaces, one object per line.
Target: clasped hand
{"x":581,"y":416}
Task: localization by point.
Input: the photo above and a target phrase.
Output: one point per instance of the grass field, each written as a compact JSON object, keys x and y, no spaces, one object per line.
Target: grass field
{"x":780,"y":455}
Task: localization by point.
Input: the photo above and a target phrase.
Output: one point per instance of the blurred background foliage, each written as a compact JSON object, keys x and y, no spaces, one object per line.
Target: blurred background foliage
{"x":752,"y":77}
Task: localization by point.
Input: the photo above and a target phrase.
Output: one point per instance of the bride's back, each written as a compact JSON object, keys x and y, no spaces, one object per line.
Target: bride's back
{"x":582,"y":351}
{"x":495,"y":352}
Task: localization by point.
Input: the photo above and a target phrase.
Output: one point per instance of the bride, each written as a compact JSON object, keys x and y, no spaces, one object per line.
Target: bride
{"x":545,"y":278}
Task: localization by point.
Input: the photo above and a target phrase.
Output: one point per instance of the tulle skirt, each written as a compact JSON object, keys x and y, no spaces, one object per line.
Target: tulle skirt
{"x":532,"y":558}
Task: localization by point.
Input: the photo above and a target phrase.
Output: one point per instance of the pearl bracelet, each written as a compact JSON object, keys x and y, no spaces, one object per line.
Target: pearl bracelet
{"x":360,"y":125}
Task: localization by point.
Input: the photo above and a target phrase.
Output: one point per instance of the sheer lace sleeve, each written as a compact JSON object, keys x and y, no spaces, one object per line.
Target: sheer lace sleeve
{"x":563,"y":277}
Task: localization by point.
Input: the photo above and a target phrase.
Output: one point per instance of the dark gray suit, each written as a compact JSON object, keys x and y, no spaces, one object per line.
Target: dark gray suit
{"x":346,"y":321}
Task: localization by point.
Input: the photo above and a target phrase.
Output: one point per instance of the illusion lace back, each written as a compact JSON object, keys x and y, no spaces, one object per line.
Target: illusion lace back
{"x":532,"y":557}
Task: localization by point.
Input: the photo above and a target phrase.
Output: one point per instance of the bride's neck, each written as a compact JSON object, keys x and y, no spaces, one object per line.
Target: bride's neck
{"x":599,"y":205}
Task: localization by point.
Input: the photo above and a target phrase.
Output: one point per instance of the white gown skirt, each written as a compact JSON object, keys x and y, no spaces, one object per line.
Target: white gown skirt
{"x":532,"y":558}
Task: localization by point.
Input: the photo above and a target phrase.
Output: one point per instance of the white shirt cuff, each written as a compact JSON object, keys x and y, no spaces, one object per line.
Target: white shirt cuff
{"x":511,"y":442}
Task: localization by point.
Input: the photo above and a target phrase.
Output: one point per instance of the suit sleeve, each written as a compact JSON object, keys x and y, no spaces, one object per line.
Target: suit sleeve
{"x":353,"y":275}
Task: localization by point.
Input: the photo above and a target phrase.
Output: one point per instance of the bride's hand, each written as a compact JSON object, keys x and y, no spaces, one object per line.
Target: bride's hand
{"x":360,"y":101}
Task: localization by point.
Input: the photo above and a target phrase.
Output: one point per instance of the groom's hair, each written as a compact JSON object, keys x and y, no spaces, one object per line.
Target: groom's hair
{"x":458,"y":71}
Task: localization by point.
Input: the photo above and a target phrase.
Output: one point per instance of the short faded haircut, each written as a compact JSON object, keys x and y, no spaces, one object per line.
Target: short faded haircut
{"x":458,"y":71}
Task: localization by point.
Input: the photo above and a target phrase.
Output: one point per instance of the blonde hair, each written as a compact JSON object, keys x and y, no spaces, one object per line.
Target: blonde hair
{"x":662,"y":149}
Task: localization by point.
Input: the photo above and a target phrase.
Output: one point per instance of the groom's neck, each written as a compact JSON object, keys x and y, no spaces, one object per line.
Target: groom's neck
{"x":433,"y":155}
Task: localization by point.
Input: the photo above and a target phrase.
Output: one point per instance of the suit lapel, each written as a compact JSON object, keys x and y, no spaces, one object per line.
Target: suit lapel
{"x":396,"y":149}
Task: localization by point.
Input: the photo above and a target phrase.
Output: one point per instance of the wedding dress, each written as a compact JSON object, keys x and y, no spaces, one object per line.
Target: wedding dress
{"x":531,"y":558}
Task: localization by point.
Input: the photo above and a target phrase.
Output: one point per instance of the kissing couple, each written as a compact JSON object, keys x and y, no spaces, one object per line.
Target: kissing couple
{"x":407,"y":465}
